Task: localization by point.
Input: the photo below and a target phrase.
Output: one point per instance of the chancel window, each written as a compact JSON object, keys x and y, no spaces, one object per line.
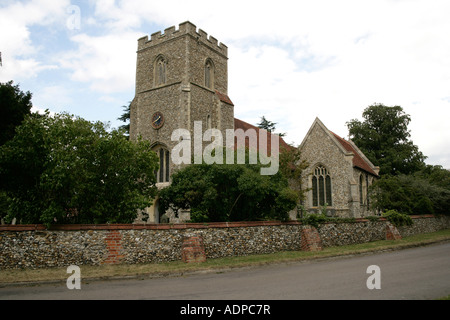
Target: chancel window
{"x":163,"y":173}
{"x":321,"y":187}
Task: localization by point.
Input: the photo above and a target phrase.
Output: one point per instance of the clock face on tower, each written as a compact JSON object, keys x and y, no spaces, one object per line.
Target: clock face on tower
{"x":157,"y":120}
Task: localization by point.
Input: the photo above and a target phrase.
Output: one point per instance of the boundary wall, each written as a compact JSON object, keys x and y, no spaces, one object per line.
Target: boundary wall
{"x":34,"y":246}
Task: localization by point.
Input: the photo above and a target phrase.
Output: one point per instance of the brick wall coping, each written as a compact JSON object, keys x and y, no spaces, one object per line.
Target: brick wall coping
{"x":75,"y":227}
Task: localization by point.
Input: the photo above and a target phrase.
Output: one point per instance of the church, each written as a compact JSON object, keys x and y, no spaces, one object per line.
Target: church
{"x":182,"y":80}
{"x":338,"y":175}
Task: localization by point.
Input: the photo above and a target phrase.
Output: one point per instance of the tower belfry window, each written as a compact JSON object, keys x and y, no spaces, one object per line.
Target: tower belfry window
{"x":160,"y":71}
{"x":209,"y":74}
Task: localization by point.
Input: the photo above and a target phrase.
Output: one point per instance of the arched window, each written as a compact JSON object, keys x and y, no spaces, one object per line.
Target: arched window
{"x":163,"y":173}
{"x":367,"y":190}
{"x":321,"y":187}
{"x":361,"y":190}
{"x":364,"y":190}
{"x":208,"y":121}
{"x":209,"y":74}
{"x":160,"y":71}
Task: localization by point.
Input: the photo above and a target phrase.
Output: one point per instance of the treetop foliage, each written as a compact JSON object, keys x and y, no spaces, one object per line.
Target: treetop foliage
{"x":64,"y":169}
{"x":407,"y":184}
{"x":384,"y":138}
{"x":14,"y":106}
{"x":269,"y":126}
{"x":125,"y":117}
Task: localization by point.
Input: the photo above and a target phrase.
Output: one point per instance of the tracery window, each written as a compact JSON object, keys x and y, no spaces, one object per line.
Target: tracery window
{"x":321,"y":187}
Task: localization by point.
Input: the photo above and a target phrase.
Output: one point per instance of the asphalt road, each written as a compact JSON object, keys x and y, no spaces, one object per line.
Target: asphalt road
{"x":413,"y":274}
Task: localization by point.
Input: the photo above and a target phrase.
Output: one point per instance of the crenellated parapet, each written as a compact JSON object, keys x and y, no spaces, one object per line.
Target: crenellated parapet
{"x":184,"y":28}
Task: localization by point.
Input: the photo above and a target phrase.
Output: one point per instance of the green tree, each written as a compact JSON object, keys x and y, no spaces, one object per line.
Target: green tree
{"x":266,"y":124}
{"x":64,"y":169}
{"x":410,"y":194}
{"x":228,"y":192}
{"x":384,"y":138}
{"x":436,"y":175}
{"x":14,"y":106}
{"x":125,"y":117}
{"x":269,"y":126}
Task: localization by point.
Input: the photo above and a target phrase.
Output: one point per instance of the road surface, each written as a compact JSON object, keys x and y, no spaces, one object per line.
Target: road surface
{"x":416,"y":273}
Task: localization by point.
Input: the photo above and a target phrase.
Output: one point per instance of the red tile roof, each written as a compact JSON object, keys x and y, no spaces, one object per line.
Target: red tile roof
{"x":239,"y":124}
{"x":224,"y":98}
{"x":358,"y":161}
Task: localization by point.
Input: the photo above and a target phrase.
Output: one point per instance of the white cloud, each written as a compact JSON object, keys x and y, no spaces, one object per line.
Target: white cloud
{"x":294,"y":60}
{"x":107,"y":63}
{"x":14,"y":68}
{"x":289,"y":60}
{"x":18,"y":51}
{"x":54,"y":97}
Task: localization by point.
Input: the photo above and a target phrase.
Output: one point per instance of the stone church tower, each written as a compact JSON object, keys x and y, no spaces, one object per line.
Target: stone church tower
{"x":181,"y":78}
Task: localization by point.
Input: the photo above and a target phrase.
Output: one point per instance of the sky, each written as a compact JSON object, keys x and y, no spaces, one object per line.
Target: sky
{"x":290,"y":61}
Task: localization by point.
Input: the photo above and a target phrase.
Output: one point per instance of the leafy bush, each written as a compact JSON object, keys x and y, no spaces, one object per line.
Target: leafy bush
{"x":410,"y":194}
{"x":228,"y":192}
{"x":398,"y":219}
{"x":314,"y":219}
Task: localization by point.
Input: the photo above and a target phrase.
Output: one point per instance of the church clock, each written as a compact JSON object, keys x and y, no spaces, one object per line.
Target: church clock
{"x":157,"y":120}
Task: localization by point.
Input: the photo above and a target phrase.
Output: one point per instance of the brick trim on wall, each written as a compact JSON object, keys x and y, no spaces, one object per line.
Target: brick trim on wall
{"x":169,"y":226}
{"x":113,"y":241}
{"x":132,"y":226}
{"x":392,"y":232}
{"x":193,"y":250}
{"x":310,"y":239}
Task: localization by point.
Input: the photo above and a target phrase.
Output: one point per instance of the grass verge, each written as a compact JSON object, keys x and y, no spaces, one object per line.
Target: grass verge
{"x":29,"y":276}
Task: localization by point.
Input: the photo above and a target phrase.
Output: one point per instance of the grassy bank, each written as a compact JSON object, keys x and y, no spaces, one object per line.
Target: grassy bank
{"x":215,"y":265}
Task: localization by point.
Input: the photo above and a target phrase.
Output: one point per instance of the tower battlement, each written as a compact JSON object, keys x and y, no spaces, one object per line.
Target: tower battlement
{"x":184,"y":28}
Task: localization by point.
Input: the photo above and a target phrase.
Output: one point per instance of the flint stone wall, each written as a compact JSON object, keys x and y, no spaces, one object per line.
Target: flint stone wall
{"x":33,"y":246}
